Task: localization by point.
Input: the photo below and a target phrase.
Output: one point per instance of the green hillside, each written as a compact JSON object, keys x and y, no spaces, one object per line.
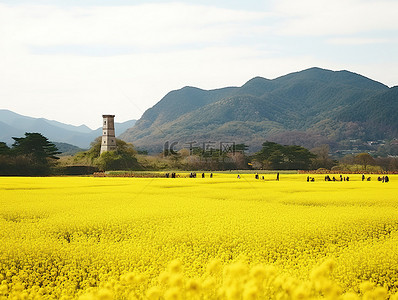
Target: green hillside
{"x":308,"y":108}
{"x":378,"y":114}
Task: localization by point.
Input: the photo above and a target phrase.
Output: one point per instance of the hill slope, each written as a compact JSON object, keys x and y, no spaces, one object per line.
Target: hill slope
{"x":309,"y":107}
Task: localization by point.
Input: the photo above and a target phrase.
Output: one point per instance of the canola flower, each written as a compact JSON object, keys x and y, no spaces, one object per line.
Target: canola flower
{"x":185,"y":238}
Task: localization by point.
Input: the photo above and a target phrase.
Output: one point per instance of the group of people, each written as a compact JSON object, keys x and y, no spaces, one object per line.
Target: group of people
{"x":341,"y":178}
{"x":309,"y":179}
{"x":327,"y":178}
{"x":256,"y":176}
{"x":193,"y":175}
{"x":363,"y":178}
{"x":172,"y":175}
{"x":383,"y":179}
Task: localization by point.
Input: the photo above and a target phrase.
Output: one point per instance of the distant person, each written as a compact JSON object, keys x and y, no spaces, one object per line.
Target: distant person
{"x":277,"y":176}
{"x":386,"y":179}
{"x":203,"y":175}
{"x":348,"y":178}
{"x":211,"y":175}
{"x":308,"y":178}
{"x":238,"y":176}
{"x":363,"y":177}
{"x":256,"y":176}
{"x":368,"y":179}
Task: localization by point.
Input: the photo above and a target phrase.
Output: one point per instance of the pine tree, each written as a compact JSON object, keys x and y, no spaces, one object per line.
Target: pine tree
{"x":35,"y":145}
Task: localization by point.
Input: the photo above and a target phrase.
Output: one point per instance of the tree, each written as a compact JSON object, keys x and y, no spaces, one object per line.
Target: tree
{"x":299,"y":158}
{"x":32,"y":154}
{"x":4,"y":149}
{"x":364,"y":159}
{"x":278,"y":157}
{"x":36,"y":146}
{"x":123,"y":158}
{"x":5,"y":160}
{"x":322,"y":159}
{"x":241,"y":148}
{"x":91,"y":155}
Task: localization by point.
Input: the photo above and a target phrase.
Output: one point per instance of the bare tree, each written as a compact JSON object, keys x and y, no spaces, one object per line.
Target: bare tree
{"x":364,"y":159}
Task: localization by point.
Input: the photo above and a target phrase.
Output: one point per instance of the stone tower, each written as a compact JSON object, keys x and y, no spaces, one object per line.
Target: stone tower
{"x":108,"y":142}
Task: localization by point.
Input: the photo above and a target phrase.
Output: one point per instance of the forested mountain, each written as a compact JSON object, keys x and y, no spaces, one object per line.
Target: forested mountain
{"x":15,"y":125}
{"x":377,"y":114}
{"x":310,"y":107}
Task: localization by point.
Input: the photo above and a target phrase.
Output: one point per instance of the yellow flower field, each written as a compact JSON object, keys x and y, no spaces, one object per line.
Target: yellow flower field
{"x":198,"y":238}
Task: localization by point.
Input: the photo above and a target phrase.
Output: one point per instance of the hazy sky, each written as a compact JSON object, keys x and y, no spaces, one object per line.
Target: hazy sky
{"x":74,"y":60}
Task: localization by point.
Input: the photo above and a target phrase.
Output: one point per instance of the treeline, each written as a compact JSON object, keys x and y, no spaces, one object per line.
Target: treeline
{"x":272,"y":156}
{"x":34,"y":155}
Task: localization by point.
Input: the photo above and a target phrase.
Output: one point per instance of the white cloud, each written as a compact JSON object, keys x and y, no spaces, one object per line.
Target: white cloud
{"x":338,"y":17}
{"x":357,"y":41}
{"x":140,"y":25}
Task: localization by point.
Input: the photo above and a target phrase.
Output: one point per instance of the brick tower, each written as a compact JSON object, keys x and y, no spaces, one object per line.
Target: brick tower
{"x":108,"y":142}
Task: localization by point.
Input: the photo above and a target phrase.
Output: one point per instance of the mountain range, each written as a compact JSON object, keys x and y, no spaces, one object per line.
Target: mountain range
{"x":15,"y":125}
{"x":308,"y":108}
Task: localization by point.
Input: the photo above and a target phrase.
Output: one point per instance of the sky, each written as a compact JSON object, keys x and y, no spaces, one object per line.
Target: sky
{"x":73,"y":61}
